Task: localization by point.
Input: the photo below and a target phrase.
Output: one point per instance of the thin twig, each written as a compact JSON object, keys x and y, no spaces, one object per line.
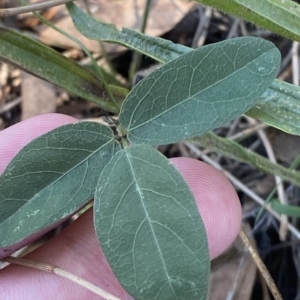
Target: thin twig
{"x":261,"y":266}
{"x":136,"y":59}
{"x":233,"y":126}
{"x":295,"y":63}
{"x":5,"y":12}
{"x":60,"y":272}
{"x":234,"y":29}
{"x":285,"y":61}
{"x":247,"y":131}
{"x":202,"y":29}
{"x":243,"y":28}
{"x":279,"y":184}
{"x":8,"y":106}
{"x":101,"y":45}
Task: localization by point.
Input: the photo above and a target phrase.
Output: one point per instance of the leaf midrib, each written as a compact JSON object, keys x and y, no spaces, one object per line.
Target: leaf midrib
{"x":57,"y":179}
{"x":187,"y":99}
{"x":149,"y":220}
{"x":268,"y":17}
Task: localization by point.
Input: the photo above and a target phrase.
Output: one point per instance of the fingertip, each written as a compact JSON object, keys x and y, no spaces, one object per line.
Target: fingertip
{"x":14,"y":138}
{"x":217,"y":202}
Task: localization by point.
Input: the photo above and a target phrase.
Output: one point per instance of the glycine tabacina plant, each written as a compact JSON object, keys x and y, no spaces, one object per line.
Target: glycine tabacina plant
{"x":145,"y":216}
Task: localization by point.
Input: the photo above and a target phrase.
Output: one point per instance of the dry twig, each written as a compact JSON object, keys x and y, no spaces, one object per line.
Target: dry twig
{"x":5,"y":12}
{"x":63,"y":273}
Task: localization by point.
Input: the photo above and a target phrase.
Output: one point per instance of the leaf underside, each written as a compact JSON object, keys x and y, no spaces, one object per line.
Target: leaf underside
{"x":51,"y":178}
{"x":149,"y":227}
{"x":199,"y":91}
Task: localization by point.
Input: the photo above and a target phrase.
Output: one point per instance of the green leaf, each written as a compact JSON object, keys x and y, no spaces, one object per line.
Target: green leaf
{"x":46,"y":63}
{"x":284,"y":116}
{"x":50,"y":179}
{"x":96,"y":30}
{"x":236,"y":151}
{"x":285,"y":209}
{"x":149,"y":227}
{"x":279,"y":16}
{"x":109,"y":78}
{"x":279,"y":106}
{"x":199,"y":91}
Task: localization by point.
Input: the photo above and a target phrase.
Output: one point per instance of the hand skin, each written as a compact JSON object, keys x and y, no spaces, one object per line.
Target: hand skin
{"x":76,"y":249}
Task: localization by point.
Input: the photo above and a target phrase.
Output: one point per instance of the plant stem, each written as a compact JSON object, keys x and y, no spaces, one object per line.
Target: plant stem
{"x":61,"y":272}
{"x":87,"y":52}
{"x":102,"y":48}
{"x":261,"y":266}
{"x":136,"y":59}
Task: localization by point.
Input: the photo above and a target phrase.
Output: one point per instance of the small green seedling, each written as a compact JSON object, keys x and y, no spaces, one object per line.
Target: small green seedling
{"x":145,"y":215}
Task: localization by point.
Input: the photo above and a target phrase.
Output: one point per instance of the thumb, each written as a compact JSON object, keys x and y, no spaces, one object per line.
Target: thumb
{"x":217,"y":202}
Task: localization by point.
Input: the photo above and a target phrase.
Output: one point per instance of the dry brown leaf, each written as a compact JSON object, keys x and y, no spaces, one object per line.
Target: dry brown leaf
{"x":31,"y":21}
{"x":38,"y":97}
{"x":164,"y":15}
{"x":286,"y":146}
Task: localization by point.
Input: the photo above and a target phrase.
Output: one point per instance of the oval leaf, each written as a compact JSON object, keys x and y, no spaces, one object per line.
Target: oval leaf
{"x":279,"y":109}
{"x":149,"y":227}
{"x":199,"y":91}
{"x":50,"y":179}
{"x":46,"y":63}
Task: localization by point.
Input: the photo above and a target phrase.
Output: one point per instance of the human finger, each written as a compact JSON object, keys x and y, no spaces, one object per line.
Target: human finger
{"x":14,"y":138}
{"x":217,"y":202}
